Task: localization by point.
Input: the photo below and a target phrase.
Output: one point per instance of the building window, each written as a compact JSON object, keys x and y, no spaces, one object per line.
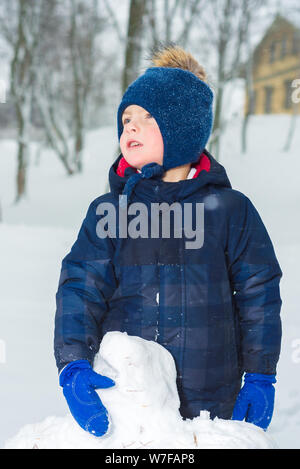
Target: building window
{"x":268,"y":99}
{"x":296,"y":43}
{"x":288,"y":94}
{"x":283,"y":48}
{"x":272,"y":52}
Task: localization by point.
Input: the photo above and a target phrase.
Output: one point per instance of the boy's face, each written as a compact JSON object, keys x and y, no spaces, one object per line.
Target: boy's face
{"x":139,"y":126}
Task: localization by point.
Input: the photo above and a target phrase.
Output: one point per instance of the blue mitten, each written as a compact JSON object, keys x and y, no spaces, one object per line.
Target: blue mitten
{"x":255,"y":401}
{"x":79,"y":382}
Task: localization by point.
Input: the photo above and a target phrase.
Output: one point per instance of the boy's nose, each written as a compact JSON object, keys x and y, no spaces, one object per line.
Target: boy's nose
{"x":133,"y":125}
{"x":132,"y":128}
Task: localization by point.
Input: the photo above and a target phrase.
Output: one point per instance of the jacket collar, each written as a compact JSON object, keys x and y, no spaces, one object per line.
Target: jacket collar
{"x":202,"y":164}
{"x":208,"y":171}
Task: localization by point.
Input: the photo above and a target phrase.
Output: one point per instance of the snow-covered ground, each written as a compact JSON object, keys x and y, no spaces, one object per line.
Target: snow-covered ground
{"x":36,"y":234}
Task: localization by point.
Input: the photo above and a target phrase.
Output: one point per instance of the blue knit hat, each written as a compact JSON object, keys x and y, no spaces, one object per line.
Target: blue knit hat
{"x":181,"y":104}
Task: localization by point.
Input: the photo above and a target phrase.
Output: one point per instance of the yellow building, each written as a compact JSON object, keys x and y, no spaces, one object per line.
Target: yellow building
{"x":276,"y":65}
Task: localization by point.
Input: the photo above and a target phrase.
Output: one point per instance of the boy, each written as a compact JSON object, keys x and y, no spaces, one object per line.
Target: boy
{"x":216,"y":307}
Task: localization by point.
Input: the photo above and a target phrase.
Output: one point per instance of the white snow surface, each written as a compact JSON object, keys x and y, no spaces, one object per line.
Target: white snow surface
{"x":37,"y":233}
{"x":143,"y":407}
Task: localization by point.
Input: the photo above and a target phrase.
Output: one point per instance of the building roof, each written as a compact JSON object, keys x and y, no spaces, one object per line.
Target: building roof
{"x":292,"y":17}
{"x":279,"y":18}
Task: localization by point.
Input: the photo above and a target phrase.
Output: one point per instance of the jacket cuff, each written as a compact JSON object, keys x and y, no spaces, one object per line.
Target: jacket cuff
{"x":69,"y":369}
{"x":259,"y":378}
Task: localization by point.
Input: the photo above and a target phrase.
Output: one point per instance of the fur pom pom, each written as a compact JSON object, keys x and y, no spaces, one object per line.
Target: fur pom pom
{"x":176,"y":57}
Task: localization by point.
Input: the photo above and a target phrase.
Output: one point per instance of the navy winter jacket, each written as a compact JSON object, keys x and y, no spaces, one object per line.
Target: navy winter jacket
{"x":215,"y":308}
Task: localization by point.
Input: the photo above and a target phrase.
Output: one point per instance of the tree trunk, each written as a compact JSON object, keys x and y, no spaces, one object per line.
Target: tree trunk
{"x":291,"y":131}
{"x":21,"y":172}
{"x":217,"y":123}
{"x":78,"y":146}
{"x":22,"y":154}
{"x":134,"y":42}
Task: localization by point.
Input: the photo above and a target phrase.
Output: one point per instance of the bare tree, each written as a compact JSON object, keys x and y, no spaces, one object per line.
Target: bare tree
{"x":21,"y":24}
{"x":57,"y":132}
{"x":227,"y":25}
{"x":64,"y":101}
{"x":53,"y":98}
{"x":172,"y":21}
{"x":83,"y":30}
{"x":54,"y":52}
{"x":114,"y":21}
{"x":133,"y":44}
{"x":292,"y":127}
{"x":134,"y":48}
{"x":248,"y":83}
{"x":248,"y":12}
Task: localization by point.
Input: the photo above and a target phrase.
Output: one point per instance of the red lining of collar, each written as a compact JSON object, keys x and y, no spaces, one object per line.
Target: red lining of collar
{"x":202,"y":163}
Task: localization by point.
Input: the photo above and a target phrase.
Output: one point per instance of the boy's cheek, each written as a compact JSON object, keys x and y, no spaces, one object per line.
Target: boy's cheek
{"x":122,"y":144}
{"x":124,"y":151}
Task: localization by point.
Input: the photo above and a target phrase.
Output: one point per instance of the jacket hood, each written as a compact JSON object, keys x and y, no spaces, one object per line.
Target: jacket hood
{"x":155,"y":189}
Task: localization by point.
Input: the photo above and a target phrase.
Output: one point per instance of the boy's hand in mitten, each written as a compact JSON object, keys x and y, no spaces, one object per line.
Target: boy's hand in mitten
{"x":255,"y":401}
{"x":79,"y":382}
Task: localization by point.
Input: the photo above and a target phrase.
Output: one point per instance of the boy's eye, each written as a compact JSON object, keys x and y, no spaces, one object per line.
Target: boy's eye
{"x":148,"y":115}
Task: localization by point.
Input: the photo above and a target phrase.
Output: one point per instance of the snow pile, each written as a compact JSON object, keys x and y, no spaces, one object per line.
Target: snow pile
{"x":143,"y":407}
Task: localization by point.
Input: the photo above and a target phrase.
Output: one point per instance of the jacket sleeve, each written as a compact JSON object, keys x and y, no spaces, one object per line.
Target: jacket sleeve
{"x":255,"y":276}
{"x":86,"y":283}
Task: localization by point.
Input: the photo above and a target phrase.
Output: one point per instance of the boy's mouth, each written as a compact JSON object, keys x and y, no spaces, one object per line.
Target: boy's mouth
{"x":133,"y":144}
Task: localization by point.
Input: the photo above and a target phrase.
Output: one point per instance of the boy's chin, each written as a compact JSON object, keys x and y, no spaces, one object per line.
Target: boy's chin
{"x":138,"y":163}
